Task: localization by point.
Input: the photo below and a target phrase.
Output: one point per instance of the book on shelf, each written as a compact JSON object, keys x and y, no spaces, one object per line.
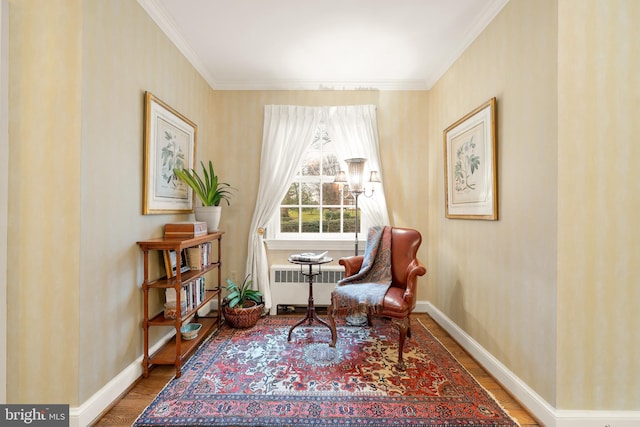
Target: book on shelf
{"x":192,"y":293}
{"x":199,"y":256}
{"x":186,"y":295}
{"x":171,"y":261}
{"x":170,"y":295}
{"x":188,"y":287}
{"x":199,"y":290}
{"x":194,"y":257}
{"x":185,"y":229}
{"x":206,"y":253}
{"x":308,"y":256}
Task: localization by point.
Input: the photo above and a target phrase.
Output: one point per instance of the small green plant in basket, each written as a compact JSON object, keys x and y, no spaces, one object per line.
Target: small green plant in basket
{"x":239,"y":295}
{"x":242,"y":307}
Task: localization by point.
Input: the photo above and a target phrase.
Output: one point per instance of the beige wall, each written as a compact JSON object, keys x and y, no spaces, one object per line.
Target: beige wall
{"x":598,"y":204}
{"x":76,"y":210}
{"x":125,"y":54}
{"x":44,"y":203}
{"x":4,"y":187}
{"x":497,"y":279}
{"x":551,"y":288}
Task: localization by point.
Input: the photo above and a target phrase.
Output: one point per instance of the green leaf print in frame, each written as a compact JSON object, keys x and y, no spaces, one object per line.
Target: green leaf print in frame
{"x":470,"y":165}
{"x":169,"y":143}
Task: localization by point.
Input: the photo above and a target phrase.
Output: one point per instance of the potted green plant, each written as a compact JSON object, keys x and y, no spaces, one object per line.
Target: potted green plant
{"x":243,"y":306}
{"x":209,"y":190}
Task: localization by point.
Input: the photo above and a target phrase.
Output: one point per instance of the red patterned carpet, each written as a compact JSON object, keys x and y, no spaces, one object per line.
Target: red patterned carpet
{"x":255,"y":377}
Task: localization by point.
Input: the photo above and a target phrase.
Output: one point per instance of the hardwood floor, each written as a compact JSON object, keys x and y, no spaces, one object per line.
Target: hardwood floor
{"x":125,"y":411}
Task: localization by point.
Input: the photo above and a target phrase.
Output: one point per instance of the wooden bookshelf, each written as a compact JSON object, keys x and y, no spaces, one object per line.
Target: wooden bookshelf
{"x":178,"y":350}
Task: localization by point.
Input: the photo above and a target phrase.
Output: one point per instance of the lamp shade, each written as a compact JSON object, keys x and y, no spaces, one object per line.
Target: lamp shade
{"x":356,"y":172}
{"x":374,"y":177}
{"x":340,"y":178}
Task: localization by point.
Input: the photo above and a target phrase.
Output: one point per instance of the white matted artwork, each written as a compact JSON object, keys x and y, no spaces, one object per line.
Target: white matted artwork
{"x":470,"y":165}
{"x":169,"y":143}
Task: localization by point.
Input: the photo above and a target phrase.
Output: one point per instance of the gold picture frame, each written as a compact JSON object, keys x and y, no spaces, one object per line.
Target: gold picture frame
{"x":470,"y":165}
{"x":169,"y":142}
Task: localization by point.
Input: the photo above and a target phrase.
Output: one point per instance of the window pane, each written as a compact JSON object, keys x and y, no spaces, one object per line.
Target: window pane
{"x":348,"y":200}
{"x":319,"y":140}
{"x":310,"y":220}
{"x":331,"y":220}
{"x":349,"y":220}
{"x":330,"y":194}
{"x":289,"y":220}
{"x":311,"y":164}
{"x":291,"y":198}
{"x":310,"y":193}
{"x":330,"y":165}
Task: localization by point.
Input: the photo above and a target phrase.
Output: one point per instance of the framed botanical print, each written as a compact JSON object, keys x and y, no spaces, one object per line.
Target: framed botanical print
{"x":470,"y":165}
{"x":169,"y":143}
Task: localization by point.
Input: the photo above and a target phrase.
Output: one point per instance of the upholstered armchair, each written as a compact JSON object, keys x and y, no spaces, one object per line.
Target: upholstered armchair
{"x":400,"y":298}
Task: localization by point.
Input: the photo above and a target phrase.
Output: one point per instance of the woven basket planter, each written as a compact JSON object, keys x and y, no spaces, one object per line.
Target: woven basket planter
{"x":243,"y":317}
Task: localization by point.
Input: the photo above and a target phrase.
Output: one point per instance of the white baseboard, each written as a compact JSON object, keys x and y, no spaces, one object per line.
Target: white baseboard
{"x":536,"y":405}
{"x":567,"y":418}
{"x":84,"y":414}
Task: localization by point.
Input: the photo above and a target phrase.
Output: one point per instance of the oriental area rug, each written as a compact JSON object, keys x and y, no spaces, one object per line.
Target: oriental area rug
{"x":255,"y":377}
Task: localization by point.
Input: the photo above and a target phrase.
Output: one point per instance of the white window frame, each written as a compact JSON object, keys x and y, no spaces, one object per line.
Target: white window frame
{"x":314,"y":241}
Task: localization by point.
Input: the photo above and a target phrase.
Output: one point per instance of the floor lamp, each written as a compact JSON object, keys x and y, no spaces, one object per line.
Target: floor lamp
{"x":355,"y":185}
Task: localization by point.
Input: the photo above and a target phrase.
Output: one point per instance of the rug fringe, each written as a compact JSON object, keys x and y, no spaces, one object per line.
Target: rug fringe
{"x":327,"y":393}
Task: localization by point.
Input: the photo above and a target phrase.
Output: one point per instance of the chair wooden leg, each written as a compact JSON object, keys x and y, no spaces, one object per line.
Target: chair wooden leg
{"x":332,"y":324}
{"x":403,"y":327}
{"x":369,"y":321}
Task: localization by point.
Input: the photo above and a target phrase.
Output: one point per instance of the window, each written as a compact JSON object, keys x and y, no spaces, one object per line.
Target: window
{"x":313,"y":207}
{"x":311,"y":195}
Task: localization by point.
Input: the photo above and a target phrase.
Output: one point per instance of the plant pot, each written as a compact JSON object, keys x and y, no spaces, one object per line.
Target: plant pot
{"x":210,"y":215}
{"x":243,"y":317}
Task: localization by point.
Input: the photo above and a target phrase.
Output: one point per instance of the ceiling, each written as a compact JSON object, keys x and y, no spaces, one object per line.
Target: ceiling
{"x":328,"y":44}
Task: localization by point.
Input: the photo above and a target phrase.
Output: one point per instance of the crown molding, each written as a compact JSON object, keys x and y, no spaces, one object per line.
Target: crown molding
{"x":168,"y":26}
{"x":400,"y":85}
{"x":494,"y":7}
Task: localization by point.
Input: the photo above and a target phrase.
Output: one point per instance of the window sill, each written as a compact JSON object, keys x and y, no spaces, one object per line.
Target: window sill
{"x":312,"y":245}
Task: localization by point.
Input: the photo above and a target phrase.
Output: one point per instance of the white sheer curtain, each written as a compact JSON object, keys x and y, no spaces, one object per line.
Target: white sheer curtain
{"x":354,"y":129}
{"x":288,"y":133}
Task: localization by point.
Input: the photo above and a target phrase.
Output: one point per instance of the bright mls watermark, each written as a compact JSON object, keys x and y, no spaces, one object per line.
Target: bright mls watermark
{"x":34,"y":415}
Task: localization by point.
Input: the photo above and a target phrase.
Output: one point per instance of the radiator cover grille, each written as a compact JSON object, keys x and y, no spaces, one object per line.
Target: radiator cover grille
{"x":290,"y":287}
{"x":281,"y":275}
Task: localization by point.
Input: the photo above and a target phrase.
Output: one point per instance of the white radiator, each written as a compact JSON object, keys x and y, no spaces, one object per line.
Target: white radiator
{"x":290,"y":287}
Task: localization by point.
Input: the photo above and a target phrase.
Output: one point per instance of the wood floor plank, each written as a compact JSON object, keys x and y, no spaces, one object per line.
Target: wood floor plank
{"x":126,"y":410}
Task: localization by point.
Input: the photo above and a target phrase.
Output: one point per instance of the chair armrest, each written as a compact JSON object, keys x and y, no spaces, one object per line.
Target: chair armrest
{"x":351,"y":264}
{"x":414,"y":270}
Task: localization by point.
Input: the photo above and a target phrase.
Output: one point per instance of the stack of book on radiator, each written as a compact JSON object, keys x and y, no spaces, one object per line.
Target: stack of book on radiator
{"x":308,"y":256}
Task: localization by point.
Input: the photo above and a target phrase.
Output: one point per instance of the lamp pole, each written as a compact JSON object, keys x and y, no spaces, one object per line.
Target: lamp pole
{"x":355,"y":195}
{"x":355,"y":167}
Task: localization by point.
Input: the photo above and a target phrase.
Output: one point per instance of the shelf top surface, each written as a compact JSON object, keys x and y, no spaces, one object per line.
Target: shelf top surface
{"x":178,"y":242}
